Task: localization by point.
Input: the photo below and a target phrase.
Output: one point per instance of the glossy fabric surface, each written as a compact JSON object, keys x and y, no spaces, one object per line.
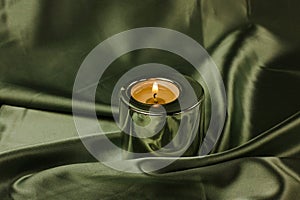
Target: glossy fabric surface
{"x":254,"y":43}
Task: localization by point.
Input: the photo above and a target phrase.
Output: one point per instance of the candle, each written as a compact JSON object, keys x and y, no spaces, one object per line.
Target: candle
{"x":149,"y":129}
{"x":155,"y":91}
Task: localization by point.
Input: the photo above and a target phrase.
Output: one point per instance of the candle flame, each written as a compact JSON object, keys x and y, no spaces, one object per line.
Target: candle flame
{"x":155,"y":88}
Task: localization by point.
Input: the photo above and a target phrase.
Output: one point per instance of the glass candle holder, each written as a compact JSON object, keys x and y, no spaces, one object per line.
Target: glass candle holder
{"x":152,"y":120}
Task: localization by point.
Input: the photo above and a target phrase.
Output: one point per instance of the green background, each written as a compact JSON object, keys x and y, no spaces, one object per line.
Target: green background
{"x":255,"y":44}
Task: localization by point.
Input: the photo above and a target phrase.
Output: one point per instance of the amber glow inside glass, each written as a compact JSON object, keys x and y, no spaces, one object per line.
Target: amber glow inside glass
{"x":166,"y":92}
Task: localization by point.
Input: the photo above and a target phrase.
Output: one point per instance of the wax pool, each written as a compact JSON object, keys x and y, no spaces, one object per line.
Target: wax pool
{"x":155,"y":91}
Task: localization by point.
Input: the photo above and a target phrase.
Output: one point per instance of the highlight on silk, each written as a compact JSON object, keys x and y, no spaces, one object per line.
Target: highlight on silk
{"x":149,"y":99}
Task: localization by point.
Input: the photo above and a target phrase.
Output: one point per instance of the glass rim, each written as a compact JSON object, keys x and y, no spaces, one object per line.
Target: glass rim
{"x":134,"y":105}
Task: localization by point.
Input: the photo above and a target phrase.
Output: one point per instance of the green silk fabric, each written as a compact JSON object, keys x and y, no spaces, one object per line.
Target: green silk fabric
{"x":255,"y":44}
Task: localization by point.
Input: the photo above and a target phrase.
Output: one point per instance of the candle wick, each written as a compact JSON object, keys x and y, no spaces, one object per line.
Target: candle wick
{"x":155,"y":99}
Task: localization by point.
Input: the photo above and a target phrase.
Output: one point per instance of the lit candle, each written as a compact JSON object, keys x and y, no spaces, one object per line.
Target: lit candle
{"x":158,"y":117}
{"x":155,"y":91}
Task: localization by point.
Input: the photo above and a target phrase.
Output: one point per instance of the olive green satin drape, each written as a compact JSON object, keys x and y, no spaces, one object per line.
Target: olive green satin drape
{"x":254,"y":43}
